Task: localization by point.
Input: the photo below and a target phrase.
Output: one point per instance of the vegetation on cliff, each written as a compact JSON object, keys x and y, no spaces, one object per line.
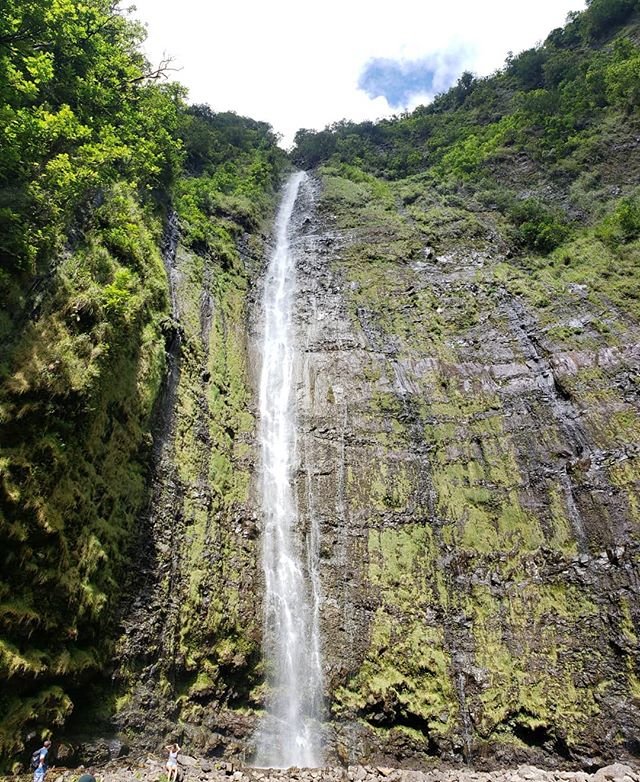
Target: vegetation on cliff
{"x":543,"y":142}
{"x":505,"y":213}
{"x":489,"y":250}
{"x":94,"y":150}
{"x":191,"y":652}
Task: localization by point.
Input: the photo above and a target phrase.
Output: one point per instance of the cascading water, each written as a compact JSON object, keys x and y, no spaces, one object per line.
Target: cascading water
{"x":289,"y":733}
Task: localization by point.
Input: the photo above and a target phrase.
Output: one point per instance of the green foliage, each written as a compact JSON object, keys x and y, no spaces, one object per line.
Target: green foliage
{"x":234,"y":167}
{"x":622,"y":78}
{"x":623,"y":224}
{"x":77,"y":114}
{"x":528,"y":68}
{"x":561,"y":65}
{"x":211,"y":139}
{"x":603,"y":15}
{"x":312,"y":148}
{"x":91,"y":152}
{"x":541,"y":228}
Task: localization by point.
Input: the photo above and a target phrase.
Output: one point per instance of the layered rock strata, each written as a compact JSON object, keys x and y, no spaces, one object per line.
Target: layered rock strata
{"x":476,"y":482}
{"x":471,"y":456}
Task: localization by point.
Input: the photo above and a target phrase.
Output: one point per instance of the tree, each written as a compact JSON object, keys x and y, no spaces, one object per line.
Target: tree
{"x":76,"y":108}
{"x":603,"y":15}
{"x":528,"y":67}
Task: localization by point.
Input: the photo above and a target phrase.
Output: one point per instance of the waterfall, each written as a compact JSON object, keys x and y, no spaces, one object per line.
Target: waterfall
{"x":289,"y":732}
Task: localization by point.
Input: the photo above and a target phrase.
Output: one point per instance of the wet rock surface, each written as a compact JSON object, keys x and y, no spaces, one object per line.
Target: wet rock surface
{"x":479,"y":532}
{"x":190,"y":642}
{"x":474,"y":472}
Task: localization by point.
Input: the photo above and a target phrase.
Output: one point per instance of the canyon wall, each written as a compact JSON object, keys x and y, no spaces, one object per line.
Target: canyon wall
{"x":468,"y":443}
{"x":467,"y":384}
{"x":476,"y":479}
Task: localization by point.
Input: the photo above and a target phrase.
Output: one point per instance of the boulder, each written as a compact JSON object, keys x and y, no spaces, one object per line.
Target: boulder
{"x":530,"y":773}
{"x":65,"y":754}
{"x":615,"y":772}
{"x":101,"y":750}
{"x":94,"y":753}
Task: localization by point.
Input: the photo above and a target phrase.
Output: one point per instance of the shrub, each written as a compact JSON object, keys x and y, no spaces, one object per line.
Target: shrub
{"x":622,"y":82}
{"x":623,"y":224}
{"x":528,"y":68}
{"x":603,"y":15}
{"x":540,"y":228}
{"x":561,"y":66}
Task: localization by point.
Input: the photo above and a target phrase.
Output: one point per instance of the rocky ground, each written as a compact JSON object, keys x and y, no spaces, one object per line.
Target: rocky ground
{"x":151,"y":769}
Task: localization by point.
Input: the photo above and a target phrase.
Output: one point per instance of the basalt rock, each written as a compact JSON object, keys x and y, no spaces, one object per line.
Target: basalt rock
{"x":478,"y":503}
{"x":148,"y":769}
{"x":474,"y":474}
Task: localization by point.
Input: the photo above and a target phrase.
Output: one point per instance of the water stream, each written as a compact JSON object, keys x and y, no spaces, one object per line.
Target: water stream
{"x":289,"y":732}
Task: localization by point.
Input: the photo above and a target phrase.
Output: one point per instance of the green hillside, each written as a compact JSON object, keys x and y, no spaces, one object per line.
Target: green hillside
{"x":488,"y":249}
{"x":95,"y":149}
{"x":549,"y":144}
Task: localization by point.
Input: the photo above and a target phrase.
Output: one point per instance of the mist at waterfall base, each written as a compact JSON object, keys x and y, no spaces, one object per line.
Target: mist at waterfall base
{"x":289,"y":733}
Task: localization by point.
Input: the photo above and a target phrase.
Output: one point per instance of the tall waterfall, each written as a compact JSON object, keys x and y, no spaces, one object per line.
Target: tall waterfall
{"x":289,"y":732}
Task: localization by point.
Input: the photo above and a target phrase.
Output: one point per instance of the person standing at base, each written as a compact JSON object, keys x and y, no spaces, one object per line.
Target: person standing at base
{"x":39,"y":762}
{"x":172,"y":762}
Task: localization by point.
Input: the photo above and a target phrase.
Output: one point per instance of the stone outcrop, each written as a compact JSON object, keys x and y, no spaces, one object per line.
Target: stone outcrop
{"x":190,"y":644}
{"x":475,"y":475}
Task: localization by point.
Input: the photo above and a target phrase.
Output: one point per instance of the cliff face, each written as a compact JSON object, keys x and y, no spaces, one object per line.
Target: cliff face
{"x":190,"y":649}
{"x":476,"y":480}
{"x":468,"y":417}
{"x":472,"y":460}
{"x":81,"y":370}
{"x":124,"y":426}
{"x":468,"y":397}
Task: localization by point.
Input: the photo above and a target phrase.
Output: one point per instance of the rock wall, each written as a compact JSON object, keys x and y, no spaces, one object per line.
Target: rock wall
{"x":193,"y":769}
{"x":81,"y":366}
{"x":475,"y":472}
{"x":189,"y":661}
{"x":472,"y":458}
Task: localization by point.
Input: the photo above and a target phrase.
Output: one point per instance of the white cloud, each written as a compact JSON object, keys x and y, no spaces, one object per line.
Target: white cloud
{"x":401,"y":80}
{"x":296,"y":64}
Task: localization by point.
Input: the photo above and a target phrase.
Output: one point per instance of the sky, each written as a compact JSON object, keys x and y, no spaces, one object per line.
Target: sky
{"x":300,"y":65}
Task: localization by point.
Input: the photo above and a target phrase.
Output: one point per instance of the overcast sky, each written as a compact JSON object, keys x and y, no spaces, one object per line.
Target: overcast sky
{"x":295,"y":64}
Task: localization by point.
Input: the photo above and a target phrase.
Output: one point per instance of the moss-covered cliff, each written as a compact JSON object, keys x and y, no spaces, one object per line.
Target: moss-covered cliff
{"x":190,"y":657}
{"x":112,"y":350}
{"x":467,"y":388}
{"x":478,"y":491}
{"x":81,"y":376}
{"x":471,"y":409}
